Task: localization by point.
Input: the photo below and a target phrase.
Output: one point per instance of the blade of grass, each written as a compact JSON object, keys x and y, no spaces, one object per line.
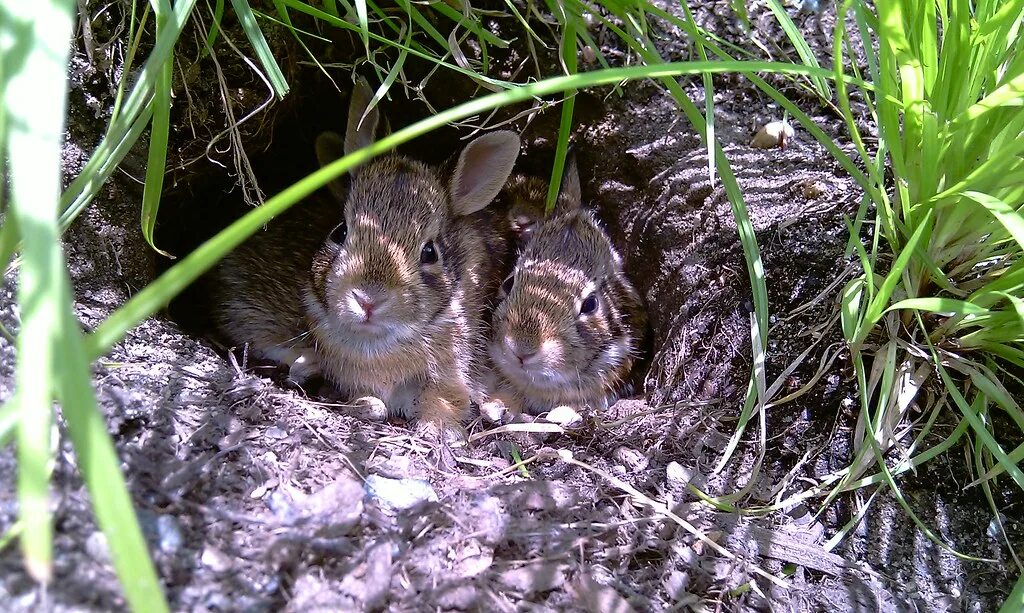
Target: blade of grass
{"x":412,"y":50}
{"x":217,"y":15}
{"x":1015,"y":602}
{"x":100,"y":467}
{"x":364,"y":26}
{"x":802,"y":48}
{"x":35,"y":44}
{"x":129,"y":124}
{"x":709,"y":96}
{"x":389,"y":80}
{"x":260,"y":46}
{"x":46,"y":362}
{"x":568,"y":54}
{"x":157,"y":161}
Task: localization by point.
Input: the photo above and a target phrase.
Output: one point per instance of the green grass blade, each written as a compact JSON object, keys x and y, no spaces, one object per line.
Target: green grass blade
{"x":260,"y":46}
{"x":802,"y":48}
{"x":1010,"y":218}
{"x":709,"y":95}
{"x":568,"y":52}
{"x":939,"y":305}
{"x":878,"y":304}
{"x":218,"y":15}
{"x":412,"y":50}
{"x":389,"y":80}
{"x":1015,"y":602}
{"x":129,"y":124}
{"x":35,"y":43}
{"x":100,"y":468}
{"x":364,"y":25}
{"x":157,"y":161}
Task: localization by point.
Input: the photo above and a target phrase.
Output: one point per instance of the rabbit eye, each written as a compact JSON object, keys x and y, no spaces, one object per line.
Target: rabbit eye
{"x":428,"y":255}
{"x":589,"y":305}
{"x":506,"y":285}
{"x":339,"y":233}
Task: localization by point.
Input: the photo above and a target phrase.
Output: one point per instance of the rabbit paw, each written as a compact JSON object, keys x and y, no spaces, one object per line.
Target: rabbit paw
{"x":564,"y":416}
{"x":303,"y":369}
{"x":437,"y":432}
{"x":494,"y":410}
{"x":369,"y":408}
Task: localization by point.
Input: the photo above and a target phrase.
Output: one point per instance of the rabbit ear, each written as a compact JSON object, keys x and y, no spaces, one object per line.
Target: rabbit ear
{"x":483,"y":167}
{"x":571,"y":191}
{"x":329,"y":148}
{"x":570,"y":197}
{"x":362,"y":123}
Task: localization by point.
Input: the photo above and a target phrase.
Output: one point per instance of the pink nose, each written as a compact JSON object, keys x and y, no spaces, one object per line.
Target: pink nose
{"x":367,"y":302}
{"x":523,"y":354}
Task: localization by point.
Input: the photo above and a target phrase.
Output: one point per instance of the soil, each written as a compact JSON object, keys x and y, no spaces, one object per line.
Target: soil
{"x":256,"y":497}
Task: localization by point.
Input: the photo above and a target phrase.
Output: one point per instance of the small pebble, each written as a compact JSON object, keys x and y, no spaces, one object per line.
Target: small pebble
{"x":275,"y":433}
{"x":399,"y":494}
{"x":370,"y":408}
{"x":678,"y":474}
{"x":493,"y":411}
{"x":216,"y":560}
{"x":96,"y":546}
{"x":168,"y":531}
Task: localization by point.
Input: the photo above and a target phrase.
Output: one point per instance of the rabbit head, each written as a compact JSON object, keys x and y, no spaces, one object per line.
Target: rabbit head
{"x":396,"y":261}
{"x":524,"y":196}
{"x":566,"y":331}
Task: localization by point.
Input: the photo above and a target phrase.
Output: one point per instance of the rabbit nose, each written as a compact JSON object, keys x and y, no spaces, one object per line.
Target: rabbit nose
{"x":368,"y":301}
{"x":522,"y":352}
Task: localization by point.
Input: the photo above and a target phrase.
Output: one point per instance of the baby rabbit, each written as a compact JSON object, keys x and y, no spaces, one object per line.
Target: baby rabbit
{"x":569,"y":326}
{"x":385,"y":297}
{"x":523,"y":200}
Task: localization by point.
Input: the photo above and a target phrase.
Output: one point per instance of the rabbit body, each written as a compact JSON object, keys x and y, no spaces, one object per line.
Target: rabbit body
{"x":387,"y":296}
{"x":569,"y":327}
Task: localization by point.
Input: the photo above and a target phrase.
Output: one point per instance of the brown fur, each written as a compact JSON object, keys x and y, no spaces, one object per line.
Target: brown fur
{"x":293,"y":293}
{"x":579,"y":360}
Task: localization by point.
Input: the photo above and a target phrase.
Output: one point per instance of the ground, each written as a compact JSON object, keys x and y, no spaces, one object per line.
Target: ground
{"x":255,"y":497}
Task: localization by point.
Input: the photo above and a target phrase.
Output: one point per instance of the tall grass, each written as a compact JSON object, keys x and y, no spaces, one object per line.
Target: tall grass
{"x":935,"y":322}
{"x":948,"y":305}
{"x":52,"y":366}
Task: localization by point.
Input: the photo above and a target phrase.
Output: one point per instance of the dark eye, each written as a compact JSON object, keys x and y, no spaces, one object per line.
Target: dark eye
{"x":339,"y":233}
{"x":507,"y":284}
{"x":589,"y":305}
{"x":428,"y":255}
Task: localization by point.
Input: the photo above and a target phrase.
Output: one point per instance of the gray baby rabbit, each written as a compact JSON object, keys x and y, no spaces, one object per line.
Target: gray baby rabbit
{"x":384,"y":297}
{"x":569,"y":326}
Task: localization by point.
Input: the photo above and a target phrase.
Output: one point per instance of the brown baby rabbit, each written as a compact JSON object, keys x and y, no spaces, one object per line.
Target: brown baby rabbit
{"x":522,"y":200}
{"x":569,"y":326}
{"x":386,"y":297}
